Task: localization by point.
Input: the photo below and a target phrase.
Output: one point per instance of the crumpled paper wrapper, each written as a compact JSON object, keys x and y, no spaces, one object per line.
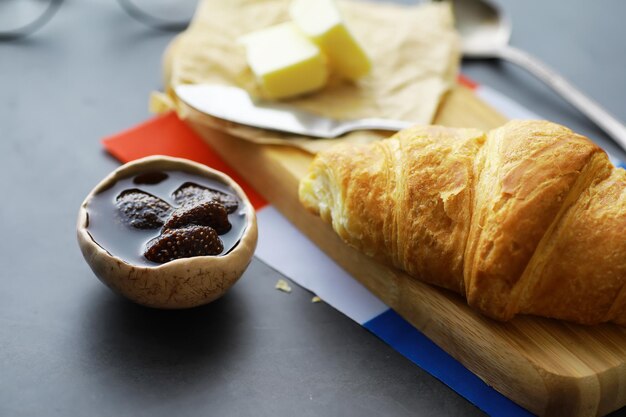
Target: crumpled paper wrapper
{"x":414,"y":50}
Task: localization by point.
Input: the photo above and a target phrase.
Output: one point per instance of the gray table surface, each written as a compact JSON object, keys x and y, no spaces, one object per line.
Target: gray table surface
{"x":68,"y":346}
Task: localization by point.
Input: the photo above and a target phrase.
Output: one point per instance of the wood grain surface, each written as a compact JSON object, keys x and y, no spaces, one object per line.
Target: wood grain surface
{"x":547,"y":366}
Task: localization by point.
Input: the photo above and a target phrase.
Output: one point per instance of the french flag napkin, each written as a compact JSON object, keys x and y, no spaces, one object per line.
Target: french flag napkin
{"x":314,"y":270}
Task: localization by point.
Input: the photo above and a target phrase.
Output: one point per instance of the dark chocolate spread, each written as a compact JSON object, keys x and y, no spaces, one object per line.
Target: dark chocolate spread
{"x":157,"y":216}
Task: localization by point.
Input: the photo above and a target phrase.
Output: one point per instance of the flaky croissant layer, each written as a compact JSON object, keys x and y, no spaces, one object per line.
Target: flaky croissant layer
{"x":529,"y":218}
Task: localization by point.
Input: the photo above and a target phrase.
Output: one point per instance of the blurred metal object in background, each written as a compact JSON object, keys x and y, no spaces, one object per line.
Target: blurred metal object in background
{"x":171,"y":15}
{"x":19,"y":18}
{"x":485,"y":33}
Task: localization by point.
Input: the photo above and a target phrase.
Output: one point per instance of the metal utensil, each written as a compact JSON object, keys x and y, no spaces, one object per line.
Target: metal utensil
{"x":485,"y":31}
{"x":235,"y":105}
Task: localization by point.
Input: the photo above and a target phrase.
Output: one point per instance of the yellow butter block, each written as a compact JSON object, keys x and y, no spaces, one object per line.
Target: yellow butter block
{"x":322,"y":22}
{"x":285,"y":62}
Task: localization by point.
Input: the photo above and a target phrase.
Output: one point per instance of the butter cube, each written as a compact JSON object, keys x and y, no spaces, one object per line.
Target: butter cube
{"x":285,"y":62}
{"x":322,"y":22}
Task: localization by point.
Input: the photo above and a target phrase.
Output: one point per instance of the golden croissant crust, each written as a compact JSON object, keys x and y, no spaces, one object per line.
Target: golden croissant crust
{"x":529,"y":218}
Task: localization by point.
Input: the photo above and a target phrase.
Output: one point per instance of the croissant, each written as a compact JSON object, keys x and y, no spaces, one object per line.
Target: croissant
{"x":529,"y":218}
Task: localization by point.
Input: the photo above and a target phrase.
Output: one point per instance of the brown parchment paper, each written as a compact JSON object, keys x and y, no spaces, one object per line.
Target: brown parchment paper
{"x":414,"y":51}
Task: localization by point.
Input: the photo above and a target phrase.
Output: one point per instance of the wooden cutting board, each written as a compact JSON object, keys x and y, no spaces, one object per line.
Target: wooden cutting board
{"x":547,"y":366}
